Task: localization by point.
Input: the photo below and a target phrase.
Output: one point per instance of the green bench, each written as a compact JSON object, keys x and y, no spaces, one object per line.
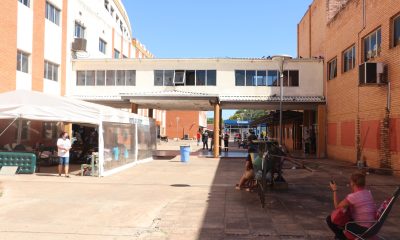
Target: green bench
{"x":26,"y":162}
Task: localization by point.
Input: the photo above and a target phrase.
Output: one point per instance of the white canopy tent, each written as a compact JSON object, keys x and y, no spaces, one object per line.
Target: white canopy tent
{"x":31,"y":105}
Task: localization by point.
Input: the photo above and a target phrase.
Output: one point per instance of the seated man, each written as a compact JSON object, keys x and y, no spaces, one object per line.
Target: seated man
{"x":248,"y":174}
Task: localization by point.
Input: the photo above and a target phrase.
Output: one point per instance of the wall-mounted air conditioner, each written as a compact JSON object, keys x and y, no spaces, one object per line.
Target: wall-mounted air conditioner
{"x":79,"y":44}
{"x":372,"y":73}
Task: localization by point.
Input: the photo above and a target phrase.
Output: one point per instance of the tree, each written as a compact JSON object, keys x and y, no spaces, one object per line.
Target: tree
{"x":248,"y":114}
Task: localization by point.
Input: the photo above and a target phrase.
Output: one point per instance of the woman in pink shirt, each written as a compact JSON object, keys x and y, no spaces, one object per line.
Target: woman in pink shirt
{"x":360,"y":203}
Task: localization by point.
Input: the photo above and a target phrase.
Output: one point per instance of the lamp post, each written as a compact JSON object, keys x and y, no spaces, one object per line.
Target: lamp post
{"x":280,"y":60}
{"x":177,"y":134}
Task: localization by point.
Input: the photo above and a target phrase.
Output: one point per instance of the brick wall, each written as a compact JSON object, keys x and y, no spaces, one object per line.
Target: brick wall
{"x":188,"y":123}
{"x":8,"y":46}
{"x":346,"y":100}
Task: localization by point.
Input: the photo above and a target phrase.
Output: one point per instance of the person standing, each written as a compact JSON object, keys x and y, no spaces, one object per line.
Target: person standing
{"x":226,"y":142}
{"x":205,"y":140}
{"x":63,"y":145}
{"x":198,"y":136}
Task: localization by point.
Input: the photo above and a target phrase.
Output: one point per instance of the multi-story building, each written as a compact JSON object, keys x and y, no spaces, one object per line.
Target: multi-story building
{"x":360,"y":43}
{"x":46,"y":36}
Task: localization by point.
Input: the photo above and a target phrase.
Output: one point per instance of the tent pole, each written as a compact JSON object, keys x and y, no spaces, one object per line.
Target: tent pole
{"x":19,"y":136}
{"x":9,"y":125}
{"x":101,"y":149}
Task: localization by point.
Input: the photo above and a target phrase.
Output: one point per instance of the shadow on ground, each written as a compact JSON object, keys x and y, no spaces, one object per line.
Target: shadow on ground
{"x":296,"y":213}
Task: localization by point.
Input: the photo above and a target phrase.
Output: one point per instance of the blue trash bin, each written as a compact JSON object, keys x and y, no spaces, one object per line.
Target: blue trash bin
{"x":185,"y":153}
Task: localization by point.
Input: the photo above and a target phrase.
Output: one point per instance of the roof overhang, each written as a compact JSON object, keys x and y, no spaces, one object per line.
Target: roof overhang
{"x":190,"y":101}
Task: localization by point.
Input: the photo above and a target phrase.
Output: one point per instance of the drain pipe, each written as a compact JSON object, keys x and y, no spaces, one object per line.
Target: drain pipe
{"x":358,"y":134}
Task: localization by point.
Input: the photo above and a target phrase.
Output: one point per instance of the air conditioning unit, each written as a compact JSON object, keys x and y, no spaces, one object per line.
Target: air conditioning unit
{"x":79,"y":44}
{"x":372,"y":73}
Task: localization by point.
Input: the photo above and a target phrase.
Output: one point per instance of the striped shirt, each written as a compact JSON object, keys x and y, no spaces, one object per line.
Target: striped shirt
{"x":362,"y":207}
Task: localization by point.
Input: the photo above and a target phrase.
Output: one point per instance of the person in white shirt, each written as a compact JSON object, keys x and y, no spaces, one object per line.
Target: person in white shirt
{"x":63,"y":145}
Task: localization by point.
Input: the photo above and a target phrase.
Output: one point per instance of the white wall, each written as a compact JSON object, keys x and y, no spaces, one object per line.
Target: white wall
{"x":24,"y":43}
{"x":99,"y":24}
{"x":310,"y":76}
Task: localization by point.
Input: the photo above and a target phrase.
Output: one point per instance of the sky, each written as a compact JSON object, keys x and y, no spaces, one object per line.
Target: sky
{"x":216,"y":28}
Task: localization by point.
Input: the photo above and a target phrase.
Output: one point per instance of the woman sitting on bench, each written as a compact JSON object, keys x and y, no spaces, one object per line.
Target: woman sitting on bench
{"x":248,"y":174}
{"x":360,"y":203}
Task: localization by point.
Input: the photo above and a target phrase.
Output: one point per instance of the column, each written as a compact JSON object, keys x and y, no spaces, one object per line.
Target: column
{"x":321,"y":143}
{"x":220,"y":128}
{"x":216,"y":129}
{"x":134,"y":108}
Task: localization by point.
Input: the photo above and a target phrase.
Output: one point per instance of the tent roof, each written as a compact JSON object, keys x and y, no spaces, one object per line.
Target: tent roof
{"x":45,"y":107}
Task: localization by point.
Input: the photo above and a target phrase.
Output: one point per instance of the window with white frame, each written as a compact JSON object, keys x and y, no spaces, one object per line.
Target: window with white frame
{"x":79,"y":30}
{"x":185,"y":77}
{"x":102,"y":46}
{"x":22,"y":61}
{"x":51,"y":71}
{"x":332,"y":68}
{"x":25,"y":2}
{"x":372,"y":45}
{"x":52,"y":13}
{"x":349,"y":58}
{"x":106,"y":78}
{"x":396,"y":31}
{"x":116,"y":53}
{"x":268,"y":78}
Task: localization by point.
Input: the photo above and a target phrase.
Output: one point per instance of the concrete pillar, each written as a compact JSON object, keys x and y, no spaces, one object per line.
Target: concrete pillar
{"x":321,"y":141}
{"x":134,"y":108}
{"x":216,"y":129}
{"x":151,"y":113}
{"x":220,"y":128}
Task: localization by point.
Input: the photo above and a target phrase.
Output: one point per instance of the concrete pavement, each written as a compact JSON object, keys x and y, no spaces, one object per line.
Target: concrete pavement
{"x":166,"y":199}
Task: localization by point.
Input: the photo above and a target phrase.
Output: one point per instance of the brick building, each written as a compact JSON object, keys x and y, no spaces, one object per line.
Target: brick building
{"x":363,"y":100}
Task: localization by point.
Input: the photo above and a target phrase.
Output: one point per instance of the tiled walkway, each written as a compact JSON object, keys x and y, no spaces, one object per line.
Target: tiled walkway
{"x":166,"y":199}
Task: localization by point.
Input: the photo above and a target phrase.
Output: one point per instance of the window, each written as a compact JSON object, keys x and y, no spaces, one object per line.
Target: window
{"x":52,"y":13}
{"x":261,"y":78}
{"x":25,"y":2}
{"x":22,"y":61}
{"x":112,"y":11}
{"x":80,"y":78}
{"x":130,"y":78}
{"x":332,"y":69}
{"x":100,"y":78}
{"x":102,"y":46}
{"x":179,"y":77}
{"x":158,"y":77}
{"x":349,"y":59}
{"x":120,"y":78}
{"x":50,"y":71}
{"x":396,"y":31}
{"x":211,"y":77}
{"x":272,"y":78}
{"x":240,"y":77}
{"x":79,"y":30}
{"x":250,"y":78}
{"x":200,"y":77}
{"x":169,"y":77}
{"x":293,"y":78}
{"x":110,"y":78}
{"x":90,"y":78}
{"x":116,"y":53}
{"x":372,"y":45}
{"x":190,"y":78}
{"x":106,"y":4}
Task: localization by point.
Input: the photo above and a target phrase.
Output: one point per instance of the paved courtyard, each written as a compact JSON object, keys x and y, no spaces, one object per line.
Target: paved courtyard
{"x":166,"y":199}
